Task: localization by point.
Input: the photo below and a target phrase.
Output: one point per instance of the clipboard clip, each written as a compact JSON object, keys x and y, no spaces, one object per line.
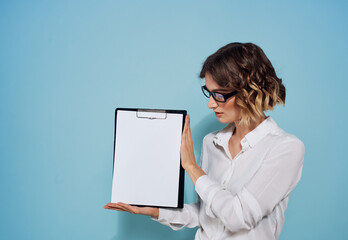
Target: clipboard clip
{"x":151,"y":114}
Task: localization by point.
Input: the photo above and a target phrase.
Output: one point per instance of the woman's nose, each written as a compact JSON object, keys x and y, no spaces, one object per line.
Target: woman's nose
{"x":212,"y":103}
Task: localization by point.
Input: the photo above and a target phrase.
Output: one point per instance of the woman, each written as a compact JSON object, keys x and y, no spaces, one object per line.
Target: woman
{"x":249,"y":168}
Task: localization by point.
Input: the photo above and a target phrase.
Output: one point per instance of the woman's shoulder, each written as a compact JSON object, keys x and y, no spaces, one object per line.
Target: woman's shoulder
{"x":279,"y":138}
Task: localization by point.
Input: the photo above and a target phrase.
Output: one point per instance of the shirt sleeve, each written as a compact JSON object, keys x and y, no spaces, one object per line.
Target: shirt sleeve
{"x":275,"y":179}
{"x":179,"y":218}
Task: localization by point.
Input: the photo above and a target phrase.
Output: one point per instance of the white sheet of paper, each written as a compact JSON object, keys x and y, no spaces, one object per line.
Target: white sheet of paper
{"x":147,"y":159}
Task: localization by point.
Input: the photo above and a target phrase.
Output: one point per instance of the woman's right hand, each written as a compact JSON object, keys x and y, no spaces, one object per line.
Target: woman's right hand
{"x":149,"y":211}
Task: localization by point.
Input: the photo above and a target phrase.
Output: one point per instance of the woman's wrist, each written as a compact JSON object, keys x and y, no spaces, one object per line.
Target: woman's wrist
{"x":194,"y":171}
{"x":155,"y":213}
{"x":190,"y":167}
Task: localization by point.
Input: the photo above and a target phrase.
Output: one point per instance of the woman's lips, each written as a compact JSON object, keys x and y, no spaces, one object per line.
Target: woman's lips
{"x":218,"y":114}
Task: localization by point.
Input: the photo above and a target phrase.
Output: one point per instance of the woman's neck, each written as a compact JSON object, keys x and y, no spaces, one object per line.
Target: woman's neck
{"x":241,"y":130}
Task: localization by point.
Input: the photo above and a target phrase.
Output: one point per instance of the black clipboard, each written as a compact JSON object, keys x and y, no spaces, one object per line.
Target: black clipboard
{"x":147,"y":168}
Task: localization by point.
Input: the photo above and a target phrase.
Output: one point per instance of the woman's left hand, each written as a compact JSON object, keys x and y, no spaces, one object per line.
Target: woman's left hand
{"x":186,"y":151}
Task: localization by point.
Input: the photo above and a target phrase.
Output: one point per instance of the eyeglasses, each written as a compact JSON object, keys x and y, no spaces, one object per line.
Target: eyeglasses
{"x":219,"y":97}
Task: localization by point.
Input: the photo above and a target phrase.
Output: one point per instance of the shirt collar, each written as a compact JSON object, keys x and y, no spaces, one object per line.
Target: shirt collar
{"x":252,"y":138}
{"x":224,"y":135}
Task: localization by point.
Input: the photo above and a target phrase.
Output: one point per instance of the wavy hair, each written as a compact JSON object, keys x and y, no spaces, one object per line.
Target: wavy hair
{"x":244,"y":67}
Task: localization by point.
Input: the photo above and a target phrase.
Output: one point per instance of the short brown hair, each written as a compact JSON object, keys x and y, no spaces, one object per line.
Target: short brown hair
{"x":244,"y":67}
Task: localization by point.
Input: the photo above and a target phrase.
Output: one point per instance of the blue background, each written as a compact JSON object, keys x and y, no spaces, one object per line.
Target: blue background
{"x":66,"y":65}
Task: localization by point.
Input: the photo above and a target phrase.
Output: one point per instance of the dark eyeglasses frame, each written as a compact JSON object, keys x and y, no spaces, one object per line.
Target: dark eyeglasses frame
{"x":225,"y":96}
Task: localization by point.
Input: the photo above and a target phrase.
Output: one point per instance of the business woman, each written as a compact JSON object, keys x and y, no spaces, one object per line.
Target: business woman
{"x":249,"y":168}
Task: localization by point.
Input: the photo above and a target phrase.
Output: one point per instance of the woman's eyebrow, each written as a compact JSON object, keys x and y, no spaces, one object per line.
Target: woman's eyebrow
{"x":220,"y":90}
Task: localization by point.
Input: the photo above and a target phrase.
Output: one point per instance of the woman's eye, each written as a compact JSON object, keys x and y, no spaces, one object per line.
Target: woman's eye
{"x":219,"y":96}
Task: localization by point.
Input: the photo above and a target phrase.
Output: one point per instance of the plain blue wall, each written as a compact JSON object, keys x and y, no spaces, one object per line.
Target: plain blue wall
{"x":66,"y":65}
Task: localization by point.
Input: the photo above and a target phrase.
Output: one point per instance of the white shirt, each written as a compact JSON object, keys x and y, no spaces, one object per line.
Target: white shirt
{"x":243,"y":197}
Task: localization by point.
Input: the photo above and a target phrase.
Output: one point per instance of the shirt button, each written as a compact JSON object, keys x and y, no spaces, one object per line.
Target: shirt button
{"x":224,"y":182}
{"x":244,"y":141}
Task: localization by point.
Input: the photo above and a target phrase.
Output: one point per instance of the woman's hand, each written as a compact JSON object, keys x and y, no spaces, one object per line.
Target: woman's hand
{"x":186,"y":151}
{"x":188,"y":160}
{"x":123,"y":207}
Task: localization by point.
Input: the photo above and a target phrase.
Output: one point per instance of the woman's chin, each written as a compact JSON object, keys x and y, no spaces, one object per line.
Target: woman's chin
{"x":222,"y":120}
{"x":225,"y":119}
